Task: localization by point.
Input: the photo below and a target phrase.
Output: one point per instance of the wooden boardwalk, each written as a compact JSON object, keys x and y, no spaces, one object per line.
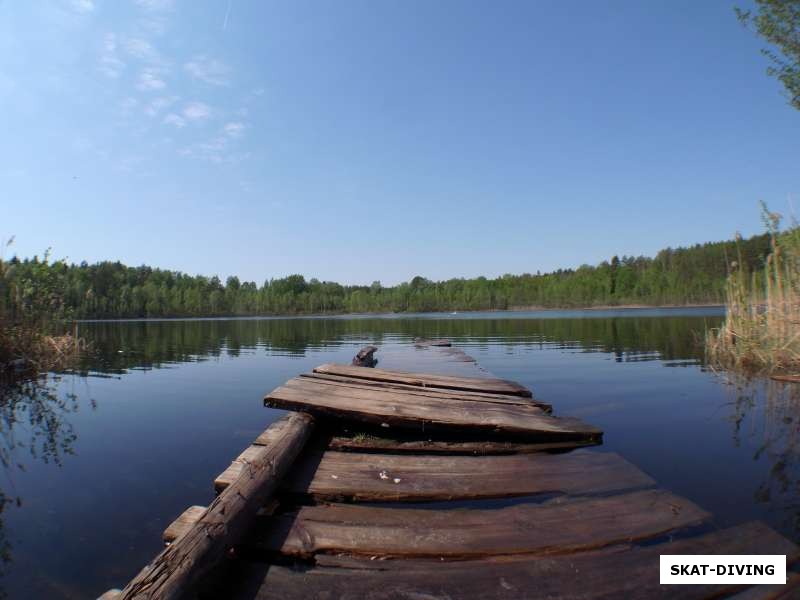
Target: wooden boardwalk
{"x":396,"y":485}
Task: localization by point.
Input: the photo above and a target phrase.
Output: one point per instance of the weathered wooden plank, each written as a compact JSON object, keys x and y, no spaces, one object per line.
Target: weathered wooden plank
{"x":183,"y":523}
{"x":529,"y":528}
{"x":369,"y":443}
{"x":421,"y":413}
{"x":366,"y":385}
{"x":349,"y":390}
{"x":476,"y":384}
{"x":177,"y":570}
{"x":410,"y":478}
{"x":630,"y":572}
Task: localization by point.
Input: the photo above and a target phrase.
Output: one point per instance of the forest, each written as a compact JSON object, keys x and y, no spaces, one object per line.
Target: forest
{"x":675,"y":276}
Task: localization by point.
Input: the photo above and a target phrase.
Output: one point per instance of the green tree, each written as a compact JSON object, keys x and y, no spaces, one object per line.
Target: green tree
{"x":778,"y":22}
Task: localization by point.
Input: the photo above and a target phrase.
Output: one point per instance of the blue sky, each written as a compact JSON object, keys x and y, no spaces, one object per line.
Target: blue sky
{"x":356,"y":141}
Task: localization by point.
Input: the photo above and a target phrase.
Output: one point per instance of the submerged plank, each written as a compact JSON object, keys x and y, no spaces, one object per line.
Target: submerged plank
{"x":554,"y":527}
{"x":410,"y":478}
{"x":369,"y":443}
{"x":630,"y":572}
{"x":440,"y":343}
{"x":177,"y":570}
{"x":366,"y":385}
{"x":476,"y":384}
{"x":421,"y":413}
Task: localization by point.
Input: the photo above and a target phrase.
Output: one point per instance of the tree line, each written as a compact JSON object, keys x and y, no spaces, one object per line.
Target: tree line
{"x":679,"y":276}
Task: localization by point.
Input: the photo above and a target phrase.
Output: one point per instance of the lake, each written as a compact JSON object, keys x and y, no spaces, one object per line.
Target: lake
{"x":102,"y":461}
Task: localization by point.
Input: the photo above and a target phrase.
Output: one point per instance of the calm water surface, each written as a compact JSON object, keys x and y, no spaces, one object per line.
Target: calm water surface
{"x":105,"y":460}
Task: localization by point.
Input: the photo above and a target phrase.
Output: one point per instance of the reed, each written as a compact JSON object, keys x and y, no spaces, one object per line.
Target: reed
{"x":761,"y":330}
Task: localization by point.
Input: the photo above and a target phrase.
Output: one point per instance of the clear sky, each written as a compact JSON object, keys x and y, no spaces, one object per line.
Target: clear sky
{"x":355,"y":141}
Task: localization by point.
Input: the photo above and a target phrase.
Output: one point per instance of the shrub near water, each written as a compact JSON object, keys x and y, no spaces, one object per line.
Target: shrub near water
{"x":761,"y":331}
{"x":33,"y":319}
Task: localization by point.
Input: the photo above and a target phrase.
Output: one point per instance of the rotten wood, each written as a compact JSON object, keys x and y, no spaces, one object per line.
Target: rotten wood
{"x":553,"y":527}
{"x":474,"y":384}
{"x":410,"y":478}
{"x":178,"y":569}
{"x":630,"y":572}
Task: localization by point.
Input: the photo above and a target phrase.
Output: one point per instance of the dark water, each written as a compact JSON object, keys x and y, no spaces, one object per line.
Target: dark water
{"x":111,"y":456}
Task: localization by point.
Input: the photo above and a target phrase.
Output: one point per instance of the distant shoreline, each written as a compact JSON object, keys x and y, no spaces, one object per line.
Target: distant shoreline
{"x":515,"y":309}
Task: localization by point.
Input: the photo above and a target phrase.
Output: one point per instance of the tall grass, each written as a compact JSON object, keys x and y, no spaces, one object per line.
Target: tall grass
{"x":761,"y":331}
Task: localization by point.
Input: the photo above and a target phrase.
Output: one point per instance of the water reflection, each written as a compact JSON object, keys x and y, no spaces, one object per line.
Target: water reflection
{"x":183,"y":397}
{"x":766,"y":418}
{"x":119,"y":346}
{"x":34,"y":425}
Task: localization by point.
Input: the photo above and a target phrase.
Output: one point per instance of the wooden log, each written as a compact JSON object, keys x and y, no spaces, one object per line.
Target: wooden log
{"x":178,"y":569}
{"x":362,"y":385}
{"x":365,"y":358}
{"x":474,"y":384}
{"x":369,"y":443}
{"x":426,"y":413}
{"x":371,"y":477}
{"x":112,"y":594}
{"x":630,"y":572}
{"x":183,"y":523}
{"x":528,"y":528}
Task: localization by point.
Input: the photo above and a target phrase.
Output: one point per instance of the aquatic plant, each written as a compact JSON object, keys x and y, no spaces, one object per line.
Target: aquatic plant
{"x":761,"y":330}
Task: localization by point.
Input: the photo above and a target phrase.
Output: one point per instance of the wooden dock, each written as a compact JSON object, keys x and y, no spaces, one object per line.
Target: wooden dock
{"x":395,"y":485}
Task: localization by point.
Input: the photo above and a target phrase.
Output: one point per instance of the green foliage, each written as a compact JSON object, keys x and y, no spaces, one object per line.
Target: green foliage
{"x":33,"y":307}
{"x":778,"y":22}
{"x":112,"y":290}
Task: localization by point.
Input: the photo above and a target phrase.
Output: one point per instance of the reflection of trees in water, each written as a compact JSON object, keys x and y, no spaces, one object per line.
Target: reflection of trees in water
{"x":767,"y":413}
{"x":145,"y":344}
{"x":33,"y":423}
